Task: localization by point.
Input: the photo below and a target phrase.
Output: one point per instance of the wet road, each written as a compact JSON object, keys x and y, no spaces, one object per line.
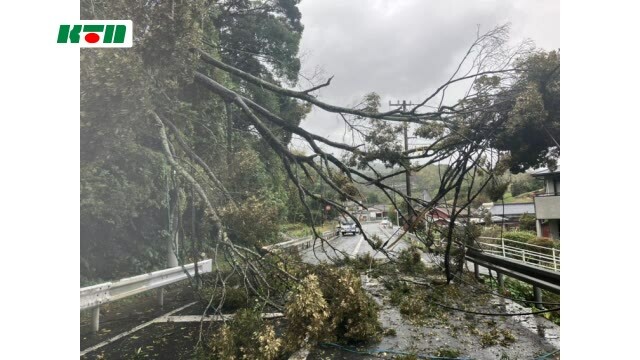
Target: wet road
{"x":354,"y":245}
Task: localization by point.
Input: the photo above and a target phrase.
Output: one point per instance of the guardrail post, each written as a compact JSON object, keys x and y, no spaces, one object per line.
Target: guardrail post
{"x":161,"y":297}
{"x":504,"y":254}
{"x":95,"y":319}
{"x":476,"y":270}
{"x":500,"y":281}
{"x":537,"y":295}
{"x":553,"y":252}
{"x":523,"y":258}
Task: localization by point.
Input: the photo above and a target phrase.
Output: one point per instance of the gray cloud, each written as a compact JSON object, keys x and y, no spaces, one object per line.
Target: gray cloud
{"x":403,"y":49}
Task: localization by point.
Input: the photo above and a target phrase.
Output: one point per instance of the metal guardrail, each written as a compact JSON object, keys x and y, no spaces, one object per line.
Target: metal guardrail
{"x":536,"y":255}
{"x":92,"y":297}
{"x":537,"y":265}
{"x":302,"y":243}
{"x":538,"y":277}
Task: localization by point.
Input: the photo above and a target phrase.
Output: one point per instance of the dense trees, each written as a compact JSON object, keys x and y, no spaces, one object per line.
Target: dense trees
{"x":531,"y":132}
{"x":132,"y":201}
{"x":524,"y":183}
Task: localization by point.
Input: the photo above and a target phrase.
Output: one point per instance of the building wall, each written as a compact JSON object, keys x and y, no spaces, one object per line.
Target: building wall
{"x":547,"y":207}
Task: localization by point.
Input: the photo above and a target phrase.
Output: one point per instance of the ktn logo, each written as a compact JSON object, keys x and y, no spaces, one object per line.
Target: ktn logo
{"x":97,"y":33}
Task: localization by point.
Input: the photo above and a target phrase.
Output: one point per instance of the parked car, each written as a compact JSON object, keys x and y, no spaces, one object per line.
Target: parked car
{"x":347,"y":227}
{"x":385,"y":224}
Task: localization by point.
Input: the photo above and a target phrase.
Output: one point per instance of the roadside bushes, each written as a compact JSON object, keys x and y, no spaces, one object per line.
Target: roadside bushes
{"x":531,"y":239}
{"x":491,"y":231}
{"x":527,"y":222}
{"x":546,"y":242}
{"x":353,"y":314}
{"x":409,"y":261}
{"x":520,"y":236}
{"x":335,"y":308}
{"x":247,"y":336}
{"x":328,"y":304}
{"x":307,"y":313}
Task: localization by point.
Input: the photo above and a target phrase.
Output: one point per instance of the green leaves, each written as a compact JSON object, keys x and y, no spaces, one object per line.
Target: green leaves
{"x":127,"y":189}
{"x":531,"y":117}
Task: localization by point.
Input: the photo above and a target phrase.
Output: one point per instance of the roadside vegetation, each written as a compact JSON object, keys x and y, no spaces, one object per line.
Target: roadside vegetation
{"x":300,"y":230}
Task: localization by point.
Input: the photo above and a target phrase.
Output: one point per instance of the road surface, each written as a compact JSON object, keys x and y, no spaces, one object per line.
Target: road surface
{"x":354,"y":245}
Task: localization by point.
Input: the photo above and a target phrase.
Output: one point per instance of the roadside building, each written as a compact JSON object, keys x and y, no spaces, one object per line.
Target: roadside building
{"x":547,"y":204}
{"x":509,"y":214}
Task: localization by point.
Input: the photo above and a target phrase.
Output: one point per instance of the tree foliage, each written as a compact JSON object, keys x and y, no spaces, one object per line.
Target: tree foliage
{"x":525,"y":183}
{"x":132,"y":201}
{"x":531,"y":113}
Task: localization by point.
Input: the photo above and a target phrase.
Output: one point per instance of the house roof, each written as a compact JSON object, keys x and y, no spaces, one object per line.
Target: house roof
{"x":513,"y":209}
{"x":494,"y":219}
{"x":380,"y":207}
{"x":445,"y":210}
{"x":545,"y":171}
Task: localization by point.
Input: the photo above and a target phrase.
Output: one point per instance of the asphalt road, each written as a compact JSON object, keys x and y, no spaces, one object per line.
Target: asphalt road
{"x":354,"y":245}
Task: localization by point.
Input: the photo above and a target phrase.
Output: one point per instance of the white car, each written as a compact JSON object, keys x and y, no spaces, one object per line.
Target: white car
{"x":348,"y":228}
{"x":385,"y":223}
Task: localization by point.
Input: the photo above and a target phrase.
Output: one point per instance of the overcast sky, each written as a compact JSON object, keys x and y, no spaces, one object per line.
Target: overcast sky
{"x":402,"y":49}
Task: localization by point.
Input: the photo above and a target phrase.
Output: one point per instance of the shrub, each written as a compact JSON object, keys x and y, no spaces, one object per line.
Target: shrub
{"x":353,"y":314}
{"x":399,"y":290}
{"x":246,"y":337}
{"x":307,"y":313}
{"x":409,"y":261}
{"x":520,"y":236}
{"x":334,"y":309}
{"x":527,"y":222}
{"x":362,"y":262}
{"x":542,"y":241}
{"x":491,"y":231}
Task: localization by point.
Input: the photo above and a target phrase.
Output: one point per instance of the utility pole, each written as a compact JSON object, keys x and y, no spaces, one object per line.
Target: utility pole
{"x":406,"y":148}
{"x":394,"y":205}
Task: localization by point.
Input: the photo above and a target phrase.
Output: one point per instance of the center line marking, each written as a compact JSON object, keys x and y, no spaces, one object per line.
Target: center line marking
{"x":355,"y":251}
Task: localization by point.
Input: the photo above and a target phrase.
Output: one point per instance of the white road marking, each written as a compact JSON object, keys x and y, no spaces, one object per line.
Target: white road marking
{"x":158,"y":319}
{"x":355,"y":251}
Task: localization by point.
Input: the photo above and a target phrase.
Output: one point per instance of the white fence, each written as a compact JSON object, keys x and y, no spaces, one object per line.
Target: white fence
{"x":541,"y":256}
{"x":92,"y":297}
